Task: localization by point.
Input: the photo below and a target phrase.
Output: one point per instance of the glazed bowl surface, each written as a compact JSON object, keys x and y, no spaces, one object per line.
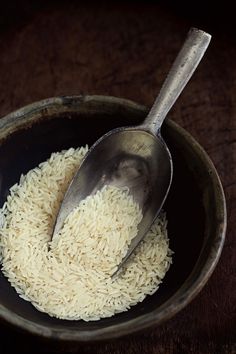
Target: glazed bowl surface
{"x":195,"y":208}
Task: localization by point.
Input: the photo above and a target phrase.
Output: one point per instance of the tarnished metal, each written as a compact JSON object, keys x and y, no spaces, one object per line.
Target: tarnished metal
{"x":137,"y":157}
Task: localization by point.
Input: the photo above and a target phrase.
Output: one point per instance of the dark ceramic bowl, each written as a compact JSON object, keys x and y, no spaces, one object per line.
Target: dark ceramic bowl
{"x":195,"y":208}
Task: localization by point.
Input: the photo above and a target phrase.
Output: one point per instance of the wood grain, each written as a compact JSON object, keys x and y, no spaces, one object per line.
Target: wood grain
{"x":119,"y":49}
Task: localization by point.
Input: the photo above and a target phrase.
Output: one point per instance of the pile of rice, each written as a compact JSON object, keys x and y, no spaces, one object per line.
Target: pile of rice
{"x":72,"y":279}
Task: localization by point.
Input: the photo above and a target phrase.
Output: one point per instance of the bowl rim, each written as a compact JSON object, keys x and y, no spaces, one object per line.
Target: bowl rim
{"x":178,"y":301}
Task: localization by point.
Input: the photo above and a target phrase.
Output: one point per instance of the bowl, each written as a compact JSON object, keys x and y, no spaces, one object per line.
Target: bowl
{"x":195,"y":208}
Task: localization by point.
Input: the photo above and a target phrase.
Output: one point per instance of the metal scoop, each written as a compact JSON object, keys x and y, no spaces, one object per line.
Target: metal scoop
{"x":137,"y":157}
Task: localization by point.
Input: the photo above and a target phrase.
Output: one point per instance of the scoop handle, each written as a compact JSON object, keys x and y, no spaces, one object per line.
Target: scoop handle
{"x":181,"y":71}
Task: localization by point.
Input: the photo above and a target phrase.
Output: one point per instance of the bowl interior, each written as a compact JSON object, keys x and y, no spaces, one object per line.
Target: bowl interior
{"x":28,"y":146}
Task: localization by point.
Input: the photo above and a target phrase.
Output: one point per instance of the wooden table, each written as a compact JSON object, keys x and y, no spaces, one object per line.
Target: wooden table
{"x":59,"y":48}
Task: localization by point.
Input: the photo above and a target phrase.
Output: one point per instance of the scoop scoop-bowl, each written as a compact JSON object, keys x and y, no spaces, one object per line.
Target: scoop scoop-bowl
{"x":137,"y":157}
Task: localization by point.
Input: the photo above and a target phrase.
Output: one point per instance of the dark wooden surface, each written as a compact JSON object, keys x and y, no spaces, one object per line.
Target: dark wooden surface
{"x":125,"y":49}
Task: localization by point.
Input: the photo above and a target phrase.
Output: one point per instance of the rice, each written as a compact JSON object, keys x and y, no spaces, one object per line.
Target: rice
{"x":72,"y":279}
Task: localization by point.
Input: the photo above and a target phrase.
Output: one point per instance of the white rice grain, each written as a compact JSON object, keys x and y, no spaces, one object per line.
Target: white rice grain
{"x":73,"y":279}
